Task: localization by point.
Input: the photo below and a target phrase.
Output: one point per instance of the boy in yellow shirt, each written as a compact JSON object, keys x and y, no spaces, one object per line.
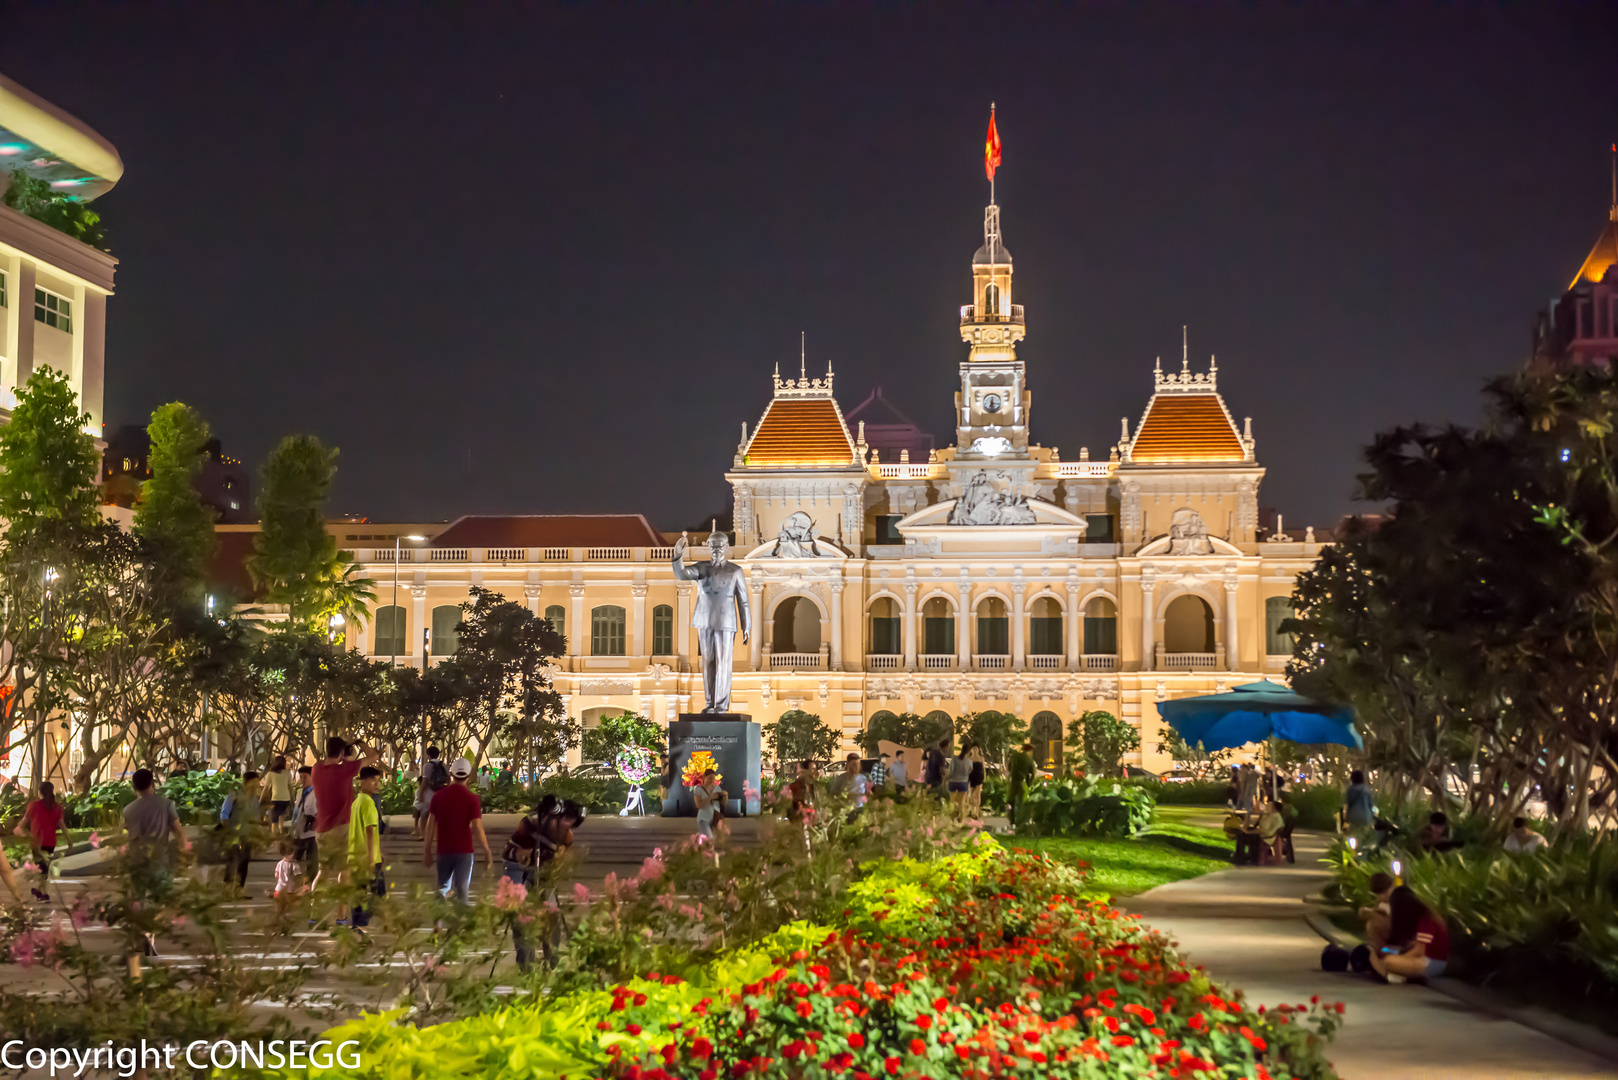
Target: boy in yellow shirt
{"x":365,"y":842}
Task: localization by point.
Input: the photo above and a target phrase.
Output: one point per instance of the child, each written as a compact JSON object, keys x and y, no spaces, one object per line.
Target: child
{"x":285,"y":870}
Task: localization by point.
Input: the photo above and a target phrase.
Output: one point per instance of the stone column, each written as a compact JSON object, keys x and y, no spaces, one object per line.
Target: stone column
{"x":1075,"y":626}
{"x":910,"y":625}
{"x":412,"y":642}
{"x":1233,"y":654}
{"x":682,"y":627}
{"x":1148,"y":625}
{"x":963,"y":625}
{"x":837,"y":624}
{"x":637,"y":621}
{"x":1017,"y":650}
{"x":580,"y":634}
{"x":760,"y":626}
{"x":531,"y":593}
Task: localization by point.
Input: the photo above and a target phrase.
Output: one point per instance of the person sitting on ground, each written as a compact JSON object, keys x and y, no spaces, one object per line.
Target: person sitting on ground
{"x":1378,"y":916}
{"x":1418,"y":940}
{"x":1523,"y":840}
{"x":1434,"y":836}
{"x":1359,"y":804}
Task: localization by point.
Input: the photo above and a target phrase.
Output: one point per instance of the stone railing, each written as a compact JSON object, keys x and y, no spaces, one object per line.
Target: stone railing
{"x":608,"y":554}
{"x":1188,"y":661}
{"x":882,"y":662}
{"x":447,"y":554}
{"x":937,"y":661}
{"x":1044,"y":663}
{"x":796,"y":661}
{"x":1098,"y":662}
{"x":506,"y":555}
{"x":556,"y":554}
{"x":990,"y":661}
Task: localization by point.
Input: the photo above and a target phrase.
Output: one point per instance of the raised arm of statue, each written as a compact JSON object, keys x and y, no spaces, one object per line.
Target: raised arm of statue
{"x":681,"y":571}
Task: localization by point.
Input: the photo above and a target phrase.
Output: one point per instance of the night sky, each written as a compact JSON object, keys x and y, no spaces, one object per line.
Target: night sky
{"x":532,"y":261}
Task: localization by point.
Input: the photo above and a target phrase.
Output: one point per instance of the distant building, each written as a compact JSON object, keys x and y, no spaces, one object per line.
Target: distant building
{"x":1581,"y":327}
{"x":53,"y":288}
{"x":223,"y":482}
{"x":892,"y":436}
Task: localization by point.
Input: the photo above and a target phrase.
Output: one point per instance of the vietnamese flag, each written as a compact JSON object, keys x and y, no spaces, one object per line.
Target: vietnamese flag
{"x":991,"y":147}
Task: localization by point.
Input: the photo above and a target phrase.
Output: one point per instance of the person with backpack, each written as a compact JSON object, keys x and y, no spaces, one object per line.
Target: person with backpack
{"x":237,"y":818}
{"x":434,"y":778}
{"x":302,"y":825}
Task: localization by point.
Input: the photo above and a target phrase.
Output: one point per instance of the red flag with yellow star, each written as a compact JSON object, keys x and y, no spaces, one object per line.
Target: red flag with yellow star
{"x":991,"y":147}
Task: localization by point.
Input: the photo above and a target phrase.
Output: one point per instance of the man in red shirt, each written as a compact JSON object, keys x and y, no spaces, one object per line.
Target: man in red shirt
{"x":333,"y":781}
{"x":453,"y":817}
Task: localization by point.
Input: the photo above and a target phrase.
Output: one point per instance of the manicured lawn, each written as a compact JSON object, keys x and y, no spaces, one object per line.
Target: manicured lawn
{"x":1199,"y":824}
{"x":1126,"y":867}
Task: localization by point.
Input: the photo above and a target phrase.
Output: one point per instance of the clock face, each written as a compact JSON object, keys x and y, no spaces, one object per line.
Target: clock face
{"x":992,"y":403}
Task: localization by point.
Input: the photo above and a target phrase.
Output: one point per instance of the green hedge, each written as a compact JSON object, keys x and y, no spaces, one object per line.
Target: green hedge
{"x":1074,"y":806}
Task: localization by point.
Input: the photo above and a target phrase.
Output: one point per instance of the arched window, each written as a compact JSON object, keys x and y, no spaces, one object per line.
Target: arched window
{"x":1188,"y":626}
{"x":1101,"y":628}
{"x":991,"y":299}
{"x":390,"y":631}
{"x":556,"y":615}
{"x":884,"y":627}
{"x":445,"y":639}
{"x":1045,"y":627}
{"x":662,"y":630}
{"x":1045,"y":732}
{"x":607,"y":624}
{"x":938,"y":627}
{"x":1277,"y":610}
{"x":797,"y":626}
{"x":994,"y":628}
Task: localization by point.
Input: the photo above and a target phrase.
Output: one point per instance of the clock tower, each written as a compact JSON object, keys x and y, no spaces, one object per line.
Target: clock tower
{"x":991,"y":409}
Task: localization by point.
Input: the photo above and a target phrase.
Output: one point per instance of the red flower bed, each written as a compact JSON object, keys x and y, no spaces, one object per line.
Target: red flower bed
{"x":997,"y":976}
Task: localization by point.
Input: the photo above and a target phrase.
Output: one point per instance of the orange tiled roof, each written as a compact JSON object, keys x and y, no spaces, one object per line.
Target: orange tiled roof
{"x":1601,"y":257}
{"x":1187,"y":427}
{"x":800,"y":434}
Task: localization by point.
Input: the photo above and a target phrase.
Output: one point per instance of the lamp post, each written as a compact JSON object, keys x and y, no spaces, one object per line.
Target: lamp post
{"x":205,"y":739}
{"x":394,"y":635}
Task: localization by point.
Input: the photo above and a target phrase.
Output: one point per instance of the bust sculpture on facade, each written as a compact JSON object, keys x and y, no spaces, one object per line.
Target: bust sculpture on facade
{"x":796,"y":540}
{"x":721,"y":610}
{"x":989,"y":499}
{"x":1188,"y":533}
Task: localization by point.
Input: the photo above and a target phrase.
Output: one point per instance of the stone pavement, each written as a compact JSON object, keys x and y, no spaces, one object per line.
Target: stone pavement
{"x":1246,"y":926}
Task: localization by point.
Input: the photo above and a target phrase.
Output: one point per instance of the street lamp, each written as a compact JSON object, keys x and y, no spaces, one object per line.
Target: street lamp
{"x":394,"y":635}
{"x":335,"y":625}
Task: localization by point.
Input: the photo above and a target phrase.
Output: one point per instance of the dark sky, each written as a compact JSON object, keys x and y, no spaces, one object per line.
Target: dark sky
{"x":569,"y":246}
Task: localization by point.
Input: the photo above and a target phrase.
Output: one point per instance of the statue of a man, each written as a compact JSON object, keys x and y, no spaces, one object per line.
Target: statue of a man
{"x":721,"y":610}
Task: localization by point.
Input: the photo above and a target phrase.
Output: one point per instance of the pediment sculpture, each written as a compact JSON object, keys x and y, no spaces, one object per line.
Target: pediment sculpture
{"x":991,"y":498}
{"x":796,"y":540}
{"x":1188,"y":533}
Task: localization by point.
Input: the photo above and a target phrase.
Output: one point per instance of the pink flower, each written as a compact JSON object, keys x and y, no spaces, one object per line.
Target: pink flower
{"x":652,"y":868}
{"x":30,"y":867}
{"x":509,"y":895}
{"x":95,"y":840}
{"x":581,"y":892}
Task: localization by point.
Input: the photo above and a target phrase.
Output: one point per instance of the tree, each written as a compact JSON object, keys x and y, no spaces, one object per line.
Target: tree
{"x":49,"y":505}
{"x":1200,"y":763}
{"x":1106,"y":739}
{"x":992,"y":732}
{"x":799,"y":736}
{"x":906,"y":729}
{"x":49,"y":459}
{"x":295,"y":560}
{"x":171,"y":516}
{"x":614,"y":734}
{"x":1474,"y":628}
{"x":499,"y":683}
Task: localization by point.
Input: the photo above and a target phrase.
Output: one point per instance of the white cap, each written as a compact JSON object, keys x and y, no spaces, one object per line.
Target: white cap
{"x":460,"y":767}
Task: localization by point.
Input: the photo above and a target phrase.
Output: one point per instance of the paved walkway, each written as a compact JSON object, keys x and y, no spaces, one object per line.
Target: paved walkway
{"x":1246,"y":926}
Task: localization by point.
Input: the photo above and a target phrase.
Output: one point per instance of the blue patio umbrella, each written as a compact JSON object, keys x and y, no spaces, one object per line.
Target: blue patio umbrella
{"x":1255,"y":712}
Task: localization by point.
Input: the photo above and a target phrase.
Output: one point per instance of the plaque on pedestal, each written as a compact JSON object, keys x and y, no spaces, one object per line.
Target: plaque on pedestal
{"x":734,"y":741}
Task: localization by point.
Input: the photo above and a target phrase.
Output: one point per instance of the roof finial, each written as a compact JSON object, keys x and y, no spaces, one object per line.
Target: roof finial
{"x":1185,"y":350}
{"x":803,"y":340}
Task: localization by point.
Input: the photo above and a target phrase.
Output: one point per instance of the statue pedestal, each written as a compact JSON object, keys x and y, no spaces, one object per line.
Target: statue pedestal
{"x":734,"y":741}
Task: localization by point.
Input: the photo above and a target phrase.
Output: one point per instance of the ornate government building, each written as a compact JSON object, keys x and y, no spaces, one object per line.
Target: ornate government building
{"x":988,"y":574}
